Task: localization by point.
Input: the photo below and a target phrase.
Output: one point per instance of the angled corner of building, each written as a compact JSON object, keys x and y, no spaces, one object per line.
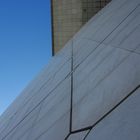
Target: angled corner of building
{"x":90,"y":90}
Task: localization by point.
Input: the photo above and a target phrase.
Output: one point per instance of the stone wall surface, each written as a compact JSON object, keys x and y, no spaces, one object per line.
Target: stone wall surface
{"x":90,"y":89}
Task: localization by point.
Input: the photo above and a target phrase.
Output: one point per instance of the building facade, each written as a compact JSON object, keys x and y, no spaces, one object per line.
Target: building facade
{"x":68,"y":16}
{"x":90,"y":90}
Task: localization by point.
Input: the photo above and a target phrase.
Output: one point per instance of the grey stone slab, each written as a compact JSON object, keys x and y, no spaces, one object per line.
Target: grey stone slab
{"x":133,"y":41}
{"x":14,"y":120}
{"x":58,"y":131}
{"x":53,"y":108}
{"x":15,"y":132}
{"x":100,"y":18}
{"x":25,"y":136}
{"x":122,"y":124}
{"x":51,"y":85}
{"x":27,"y":124}
{"x":95,"y":102}
{"x":5,"y":124}
{"x":138,"y":49}
{"x":40,"y":95}
{"x":9,"y":137}
{"x":56,"y":64}
{"x":102,"y":76}
{"x":59,"y":98}
{"x":53,"y":67}
{"x":78,"y":136}
{"x":81,"y":49}
{"x":113,"y":22}
{"x":48,"y":87}
{"x":95,"y":68}
{"x":126,"y":35}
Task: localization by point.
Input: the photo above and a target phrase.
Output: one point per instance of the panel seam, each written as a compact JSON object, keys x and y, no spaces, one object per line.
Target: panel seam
{"x":116,"y":106}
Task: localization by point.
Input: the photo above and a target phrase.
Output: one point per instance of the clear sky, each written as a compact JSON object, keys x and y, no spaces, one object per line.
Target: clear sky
{"x":25,"y":44}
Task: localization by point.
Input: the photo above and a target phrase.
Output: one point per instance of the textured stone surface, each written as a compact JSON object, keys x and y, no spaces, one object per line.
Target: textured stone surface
{"x":122,"y":124}
{"x":78,"y":135}
{"x":53,"y":108}
{"x":83,"y":83}
{"x":49,"y":77}
{"x":98,"y":97}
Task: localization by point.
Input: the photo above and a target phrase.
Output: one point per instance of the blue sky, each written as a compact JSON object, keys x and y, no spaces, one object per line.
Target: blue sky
{"x":25,"y":44}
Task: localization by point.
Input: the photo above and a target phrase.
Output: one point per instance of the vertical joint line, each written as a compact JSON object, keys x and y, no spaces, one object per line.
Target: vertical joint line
{"x":71,"y":100}
{"x":67,"y":136}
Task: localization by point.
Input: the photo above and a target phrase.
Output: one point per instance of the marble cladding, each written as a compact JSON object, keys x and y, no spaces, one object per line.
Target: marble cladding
{"x":90,"y":89}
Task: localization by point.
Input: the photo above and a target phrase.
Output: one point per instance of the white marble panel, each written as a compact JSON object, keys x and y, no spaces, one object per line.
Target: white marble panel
{"x":58,"y":131}
{"x":50,"y":72}
{"x":81,"y":49}
{"x":138,"y":50}
{"x":103,"y":75}
{"x":133,"y":41}
{"x":93,"y":70}
{"x":25,"y":136}
{"x":40,"y":95}
{"x":60,"y":97}
{"x":53,"y":108}
{"x":78,"y":136}
{"x":95,"y":102}
{"x":51,"y":85}
{"x":100,"y":18}
{"x":113,"y":22}
{"x":21,"y":127}
{"x":122,"y":124}
{"x":15,"y":119}
{"x":9,"y":137}
{"x":125,"y":32}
